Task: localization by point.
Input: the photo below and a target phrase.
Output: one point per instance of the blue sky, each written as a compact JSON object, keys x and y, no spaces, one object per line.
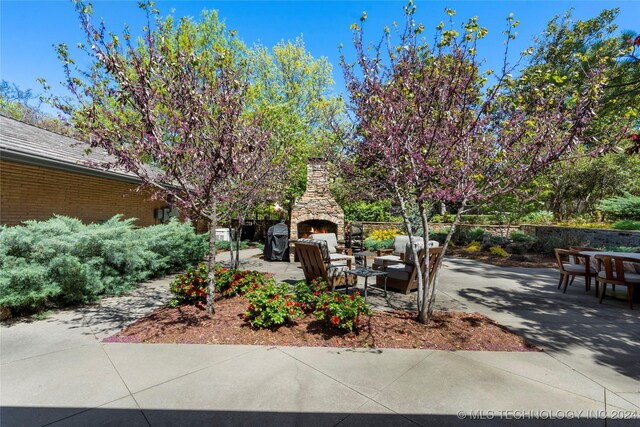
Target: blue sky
{"x":29,"y":29}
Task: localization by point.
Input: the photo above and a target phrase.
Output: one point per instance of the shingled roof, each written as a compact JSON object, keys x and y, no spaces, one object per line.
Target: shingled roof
{"x":25,"y":143}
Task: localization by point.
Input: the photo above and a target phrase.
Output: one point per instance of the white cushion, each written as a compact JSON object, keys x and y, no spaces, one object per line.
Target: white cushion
{"x":340,"y":258}
{"x":628,"y":277}
{"x":330,"y":238}
{"x":400,"y":243}
{"x":388,"y":259}
{"x":576,"y":268}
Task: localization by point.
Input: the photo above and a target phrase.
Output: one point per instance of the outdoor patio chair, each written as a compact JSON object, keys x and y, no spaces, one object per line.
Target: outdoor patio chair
{"x":316,"y":264}
{"x":572,"y":264}
{"x":611,"y":269}
{"x":335,"y":251}
{"x":404,"y":276}
{"x":400,"y":245}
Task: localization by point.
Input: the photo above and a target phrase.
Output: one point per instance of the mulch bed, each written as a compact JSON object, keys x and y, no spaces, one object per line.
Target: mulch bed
{"x":447,"y":330}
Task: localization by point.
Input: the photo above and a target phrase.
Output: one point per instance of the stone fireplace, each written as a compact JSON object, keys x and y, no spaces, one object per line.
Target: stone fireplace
{"x":316,"y":211}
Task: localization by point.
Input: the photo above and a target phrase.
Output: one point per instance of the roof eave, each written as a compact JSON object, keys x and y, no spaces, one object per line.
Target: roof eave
{"x":30,"y":159}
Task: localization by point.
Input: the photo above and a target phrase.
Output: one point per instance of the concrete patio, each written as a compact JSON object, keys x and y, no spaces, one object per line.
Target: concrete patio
{"x":58,"y":372}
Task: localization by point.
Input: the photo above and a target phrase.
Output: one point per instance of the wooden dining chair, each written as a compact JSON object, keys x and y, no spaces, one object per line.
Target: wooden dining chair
{"x":611,"y":269}
{"x":572,"y":264}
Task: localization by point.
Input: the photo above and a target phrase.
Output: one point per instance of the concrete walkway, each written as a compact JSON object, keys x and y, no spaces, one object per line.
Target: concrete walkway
{"x":58,"y":372}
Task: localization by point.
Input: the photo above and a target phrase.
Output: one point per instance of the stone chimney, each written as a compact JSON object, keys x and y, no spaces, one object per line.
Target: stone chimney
{"x":316,"y":210}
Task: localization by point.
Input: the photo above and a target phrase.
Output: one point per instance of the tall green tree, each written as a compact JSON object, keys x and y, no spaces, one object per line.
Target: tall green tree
{"x":293,"y":89}
{"x":574,"y":187}
{"x":25,"y":105}
{"x":172,"y":108}
{"x":430,"y":128}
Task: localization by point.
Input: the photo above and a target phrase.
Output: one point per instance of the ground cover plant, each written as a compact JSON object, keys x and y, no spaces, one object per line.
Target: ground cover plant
{"x":62,"y":261}
{"x":189,"y":324}
{"x":270,"y":305}
{"x":306,"y":314}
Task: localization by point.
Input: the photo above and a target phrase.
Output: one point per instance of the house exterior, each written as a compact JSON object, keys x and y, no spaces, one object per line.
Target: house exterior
{"x":44,"y":174}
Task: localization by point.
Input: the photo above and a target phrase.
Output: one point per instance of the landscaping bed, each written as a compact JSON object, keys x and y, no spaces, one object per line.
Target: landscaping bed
{"x":190,"y":324}
{"x":529,"y":260}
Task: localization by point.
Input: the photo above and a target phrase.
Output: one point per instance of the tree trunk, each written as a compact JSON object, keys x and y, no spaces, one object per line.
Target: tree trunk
{"x":237,"y":248}
{"x":211,"y":276}
{"x":438,"y":266}
{"x":428,"y":290}
{"x":407,"y":224}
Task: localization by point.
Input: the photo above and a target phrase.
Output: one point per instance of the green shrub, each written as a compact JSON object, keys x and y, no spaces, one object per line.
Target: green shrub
{"x":538,"y":217}
{"x":307,"y":294}
{"x":339,"y":310}
{"x":378,"y":211}
{"x":499,"y":251}
{"x":374,"y":245}
{"x":79,"y":282}
{"x":224,"y":245}
{"x":25,"y":286}
{"x":477,"y":219}
{"x":190,"y":287}
{"x":521,"y":237}
{"x":476,"y":234}
{"x":621,"y":207}
{"x":63,"y":261}
{"x":230,"y":282}
{"x":628,"y":249}
{"x":175,"y":243}
{"x":626,"y":224}
{"x":271,"y":305}
{"x":439,"y":235}
{"x":439,"y":219}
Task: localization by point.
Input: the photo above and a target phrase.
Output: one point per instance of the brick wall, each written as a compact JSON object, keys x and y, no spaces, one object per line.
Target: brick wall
{"x":35,"y":192}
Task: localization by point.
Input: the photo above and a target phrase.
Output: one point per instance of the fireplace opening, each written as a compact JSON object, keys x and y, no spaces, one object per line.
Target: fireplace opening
{"x":306,"y":228}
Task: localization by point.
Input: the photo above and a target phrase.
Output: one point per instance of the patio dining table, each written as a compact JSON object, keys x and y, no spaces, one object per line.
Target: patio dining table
{"x":628,"y":266}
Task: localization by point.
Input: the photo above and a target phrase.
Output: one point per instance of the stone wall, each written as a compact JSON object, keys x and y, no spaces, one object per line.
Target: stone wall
{"x":555,"y":235}
{"x":572,"y":236}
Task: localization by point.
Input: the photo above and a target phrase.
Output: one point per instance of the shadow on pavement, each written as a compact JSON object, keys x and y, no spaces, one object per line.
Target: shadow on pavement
{"x":19,"y":416}
{"x":557,"y":321}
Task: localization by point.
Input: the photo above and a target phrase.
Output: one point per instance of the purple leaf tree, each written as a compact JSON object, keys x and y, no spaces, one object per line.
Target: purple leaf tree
{"x":171,"y":108}
{"x":430,"y":127}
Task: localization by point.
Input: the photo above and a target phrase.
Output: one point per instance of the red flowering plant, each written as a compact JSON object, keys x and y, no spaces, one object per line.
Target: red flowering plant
{"x":231,"y":283}
{"x":307,"y":293}
{"x":271,"y":305}
{"x":190,"y":287}
{"x":339,"y":310}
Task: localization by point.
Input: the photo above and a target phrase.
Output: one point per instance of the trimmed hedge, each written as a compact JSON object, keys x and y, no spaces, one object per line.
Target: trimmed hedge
{"x":626,"y":224}
{"x":62,"y":261}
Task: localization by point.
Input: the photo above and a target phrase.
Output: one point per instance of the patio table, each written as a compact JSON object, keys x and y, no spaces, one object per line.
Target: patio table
{"x":366,"y":273}
{"x":628,"y":266}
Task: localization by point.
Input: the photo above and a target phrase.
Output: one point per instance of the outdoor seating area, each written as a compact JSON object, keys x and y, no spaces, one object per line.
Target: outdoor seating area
{"x":614,"y":268}
{"x":319,"y":213}
{"x":317,"y":263}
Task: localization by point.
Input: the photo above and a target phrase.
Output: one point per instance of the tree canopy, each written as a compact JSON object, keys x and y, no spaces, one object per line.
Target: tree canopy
{"x":431,"y":127}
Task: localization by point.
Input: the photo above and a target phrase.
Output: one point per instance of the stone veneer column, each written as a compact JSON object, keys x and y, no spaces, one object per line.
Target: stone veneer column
{"x":317,"y":202}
